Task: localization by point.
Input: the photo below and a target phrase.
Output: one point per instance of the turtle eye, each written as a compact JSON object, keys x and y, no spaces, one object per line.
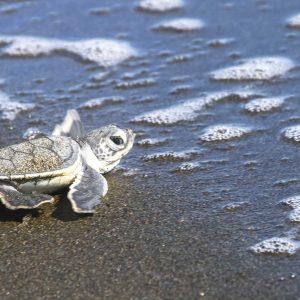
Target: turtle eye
{"x":117,"y":140}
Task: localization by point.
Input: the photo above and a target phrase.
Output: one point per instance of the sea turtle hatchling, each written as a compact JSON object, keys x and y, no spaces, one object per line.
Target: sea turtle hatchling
{"x":33,"y":169}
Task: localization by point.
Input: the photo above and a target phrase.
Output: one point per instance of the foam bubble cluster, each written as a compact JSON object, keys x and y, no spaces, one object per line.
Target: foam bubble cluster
{"x":277,"y":245}
{"x":293,"y":202}
{"x":224,"y":132}
{"x":139,"y":83}
{"x":10,"y":109}
{"x":152,"y":141}
{"x":103,"y":52}
{"x":160,"y":5}
{"x":292,"y":133}
{"x":264,"y":104}
{"x":234,"y":206}
{"x":294,"y":21}
{"x":180,"y":25}
{"x":169,"y":115}
{"x":220,"y":42}
{"x":180,"y":58}
{"x":170,"y":156}
{"x":188,"y":167}
{"x":100,"y":76}
{"x":99,"y":102}
{"x":261,"y":68}
{"x":187,"y":110}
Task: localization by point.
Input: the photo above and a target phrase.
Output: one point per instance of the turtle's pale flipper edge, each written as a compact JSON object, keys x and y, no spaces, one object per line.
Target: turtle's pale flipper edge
{"x":71,"y":126}
{"x":13,"y":199}
{"x":87,"y":189}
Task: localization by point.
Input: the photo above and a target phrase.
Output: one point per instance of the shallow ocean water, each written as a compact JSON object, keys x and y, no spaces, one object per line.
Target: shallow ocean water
{"x":186,"y":217}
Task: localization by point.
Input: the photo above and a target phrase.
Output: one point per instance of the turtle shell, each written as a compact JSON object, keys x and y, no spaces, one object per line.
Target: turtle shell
{"x":42,"y":157}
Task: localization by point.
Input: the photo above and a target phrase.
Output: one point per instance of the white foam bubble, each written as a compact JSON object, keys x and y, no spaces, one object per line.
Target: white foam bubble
{"x":220,"y":42}
{"x":170,"y":115}
{"x":29,"y":46}
{"x":187,"y":110}
{"x":160,"y":5}
{"x":139,"y":83}
{"x":180,"y":89}
{"x":293,"y":202}
{"x":180,"y":25}
{"x":180,"y":58}
{"x":277,"y":245}
{"x":135,"y":74}
{"x":103,"y":52}
{"x":264,"y":104}
{"x":224,"y":132}
{"x":153,"y":141}
{"x":294,"y":216}
{"x":132,"y":172}
{"x":292,"y":133}
{"x":11,"y":8}
{"x":99,"y":102}
{"x":188,"y":167}
{"x":260,"y":68}
{"x":234,"y":206}
{"x":100,"y":76}
{"x":294,"y":21}
{"x":10,"y":108}
{"x":170,"y":156}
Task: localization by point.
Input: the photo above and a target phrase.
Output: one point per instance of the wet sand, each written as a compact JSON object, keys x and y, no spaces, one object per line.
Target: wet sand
{"x":182,"y":214}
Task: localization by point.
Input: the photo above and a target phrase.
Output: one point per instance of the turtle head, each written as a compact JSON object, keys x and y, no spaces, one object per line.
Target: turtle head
{"x":109,"y":144}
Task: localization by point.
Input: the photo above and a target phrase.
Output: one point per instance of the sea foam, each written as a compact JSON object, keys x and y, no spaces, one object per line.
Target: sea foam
{"x":10,"y":108}
{"x":180,"y":25}
{"x":224,"y":132}
{"x":99,"y":102}
{"x":294,"y":21}
{"x":293,"y":202}
{"x":103,"y":52}
{"x":188,"y":167}
{"x":187,"y":110}
{"x":292,"y":133}
{"x":277,"y":245}
{"x":264,"y":104}
{"x":153,"y":141}
{"x":260,"y":68}
{"x":171,"y":156}
{"x":160,"y":5}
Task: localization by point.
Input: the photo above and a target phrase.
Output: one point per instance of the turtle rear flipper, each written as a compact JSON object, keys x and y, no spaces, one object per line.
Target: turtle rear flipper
{"x":13,"y":199}
{"x":87,"y":189}
{"x":71,"y":126}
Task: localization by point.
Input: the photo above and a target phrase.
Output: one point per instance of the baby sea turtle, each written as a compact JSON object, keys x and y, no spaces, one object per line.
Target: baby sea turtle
{"x":32,"y":170}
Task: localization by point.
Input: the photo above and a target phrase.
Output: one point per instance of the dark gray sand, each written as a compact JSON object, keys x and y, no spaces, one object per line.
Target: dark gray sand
{"x":185,"y":208}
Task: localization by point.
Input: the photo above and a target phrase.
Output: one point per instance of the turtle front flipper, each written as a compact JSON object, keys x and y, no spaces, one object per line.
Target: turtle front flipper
{"x":13,"y":199}
{"x":87,"y":189}
{"x":71,"y":126}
